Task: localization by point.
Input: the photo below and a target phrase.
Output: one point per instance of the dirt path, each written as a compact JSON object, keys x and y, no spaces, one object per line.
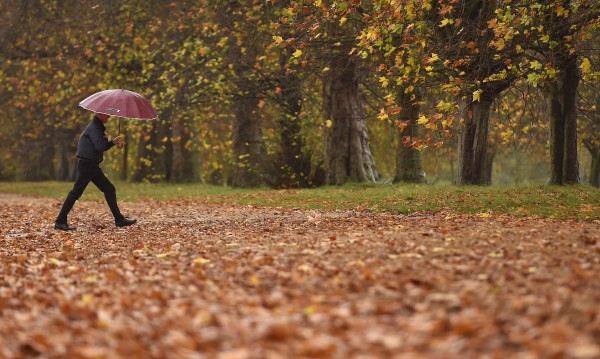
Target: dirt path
{"x":196,"y":280}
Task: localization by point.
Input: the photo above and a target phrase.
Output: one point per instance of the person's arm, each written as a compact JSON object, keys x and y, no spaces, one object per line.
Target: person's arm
{"x":100,"y":140}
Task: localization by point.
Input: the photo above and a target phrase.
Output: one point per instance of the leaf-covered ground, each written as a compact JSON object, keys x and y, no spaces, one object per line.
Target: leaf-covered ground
{"x":195,"y":280}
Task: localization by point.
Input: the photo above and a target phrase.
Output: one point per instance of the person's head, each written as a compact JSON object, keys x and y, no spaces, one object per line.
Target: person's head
{"x":102,"y":116}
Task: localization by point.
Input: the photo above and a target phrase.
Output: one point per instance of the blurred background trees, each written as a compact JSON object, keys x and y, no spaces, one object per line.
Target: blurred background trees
{"x":290,"y":93}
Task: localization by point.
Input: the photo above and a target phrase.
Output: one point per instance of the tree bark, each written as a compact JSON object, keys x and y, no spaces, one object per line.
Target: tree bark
{"x":153,"y":160}
{"x":142,"y":168}
{"x":249,"y":153}
{"x":296,"y":166}
{"x":182,"y":169}
{"x":409,"y":167}
{"x":347,"y":152}
{"x":37,"y":160}
{"x":595,"y":170}
{"x":561,"y":99}
{"x":66,"y":150}
{"x":248,"y":147}
{"x":594,"y":150}
{"x":182,"y":166}
{"x":473,"y":142}
{"x":489,"y":166}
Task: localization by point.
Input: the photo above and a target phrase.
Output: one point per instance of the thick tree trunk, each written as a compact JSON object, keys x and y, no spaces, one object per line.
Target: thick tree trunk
{"x":182,"y":163}
{"x":66,"y":150}
{"x":595,"y":166}
{"x":152,"y":163}
{"x":296,"y":167}
{"x":561,"y":99}
{"x":37,"y":161}
{"x":489,"y":166}
{"x":347,"y":152}
{"x":180,"y":156}
{"x":409,"y":165}
{"x":141,"y":169}
{"x":408,"y":160}
{"x":248,"y":147}
{"x":595,"y":170}
{"x":249,"y":153}
{"x":473,"y":142}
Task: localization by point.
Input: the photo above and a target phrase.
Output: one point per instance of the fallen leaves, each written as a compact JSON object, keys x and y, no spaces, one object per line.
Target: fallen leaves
{"x":223,"y":281}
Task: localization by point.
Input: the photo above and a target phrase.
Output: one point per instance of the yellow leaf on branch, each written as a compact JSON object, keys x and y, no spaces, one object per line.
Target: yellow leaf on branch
{"x":586,"y":66}
{"x":445,"y":22}
{"x":382,"y":115}
{"x":383,"y":81}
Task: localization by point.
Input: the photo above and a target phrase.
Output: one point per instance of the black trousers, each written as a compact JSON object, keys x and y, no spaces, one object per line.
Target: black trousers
{"x":89,"y":171}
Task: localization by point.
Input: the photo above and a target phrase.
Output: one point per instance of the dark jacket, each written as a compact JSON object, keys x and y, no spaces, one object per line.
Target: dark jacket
{"x":92,"y":142}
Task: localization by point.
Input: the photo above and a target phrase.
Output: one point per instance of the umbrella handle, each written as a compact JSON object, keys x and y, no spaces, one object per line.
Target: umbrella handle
{"x":120,"y":145}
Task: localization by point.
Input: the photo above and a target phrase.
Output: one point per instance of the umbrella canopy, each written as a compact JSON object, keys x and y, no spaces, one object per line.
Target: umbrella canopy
{"x":120,"y":103}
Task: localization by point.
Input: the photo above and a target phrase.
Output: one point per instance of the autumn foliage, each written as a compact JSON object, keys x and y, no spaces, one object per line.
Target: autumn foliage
{"x":245,"y":89}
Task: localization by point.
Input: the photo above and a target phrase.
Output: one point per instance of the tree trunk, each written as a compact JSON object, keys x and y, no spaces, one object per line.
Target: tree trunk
{"x":473,"y":142}
{"x":142,"y":165}
{"x":595,"y":170}
{"x":248,"y":147}
{"x":561,"y":99}
{"x":249,"y":153}
{"x":66,"y":150}
{"x":296,"y":167}
{"x":152,"y":155}
{"x":347,"y":152}
{"x":37,"y":159}
{"x":183,"y":166}
{"x":408,"y":160}
{"x":595,"y":167}
{"x":489,"y":166}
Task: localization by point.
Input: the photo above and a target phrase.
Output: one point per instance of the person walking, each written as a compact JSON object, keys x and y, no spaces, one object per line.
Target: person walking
{"x":93,"y":141}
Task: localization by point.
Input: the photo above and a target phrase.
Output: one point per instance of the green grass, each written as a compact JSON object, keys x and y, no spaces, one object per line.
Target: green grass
{"x":563,"y":202}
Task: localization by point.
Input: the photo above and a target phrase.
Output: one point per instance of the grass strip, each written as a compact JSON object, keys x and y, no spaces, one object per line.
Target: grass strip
{"x":578,"y":202}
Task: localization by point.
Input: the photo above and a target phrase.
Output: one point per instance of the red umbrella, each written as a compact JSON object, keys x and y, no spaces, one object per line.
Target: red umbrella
{"x":120,"y":103}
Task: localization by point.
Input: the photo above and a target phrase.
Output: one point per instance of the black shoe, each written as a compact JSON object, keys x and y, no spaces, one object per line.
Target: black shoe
{"x":63,"y":227}
{"x":125,"y":222}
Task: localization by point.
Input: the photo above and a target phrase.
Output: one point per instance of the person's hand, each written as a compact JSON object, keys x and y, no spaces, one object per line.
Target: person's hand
{"x":118,"y":141}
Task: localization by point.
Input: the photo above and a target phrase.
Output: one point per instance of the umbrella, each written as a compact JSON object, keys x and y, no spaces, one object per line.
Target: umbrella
{"x":120,"y":103}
